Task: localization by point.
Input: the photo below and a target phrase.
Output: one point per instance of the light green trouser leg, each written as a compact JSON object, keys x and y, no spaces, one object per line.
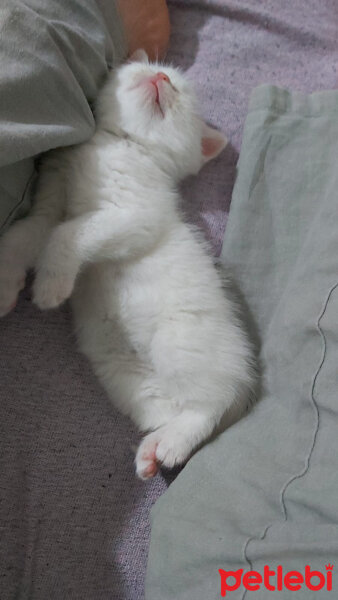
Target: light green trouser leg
{"x":266,"y":491}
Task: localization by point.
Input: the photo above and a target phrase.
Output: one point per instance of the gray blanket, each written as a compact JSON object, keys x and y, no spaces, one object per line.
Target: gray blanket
{"x":265,"y":493}
{"x":54,"y":57}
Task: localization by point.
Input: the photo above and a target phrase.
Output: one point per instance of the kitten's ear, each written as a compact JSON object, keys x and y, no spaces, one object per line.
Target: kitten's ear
{"x":139,"y":55}
{"x":213,"y":142}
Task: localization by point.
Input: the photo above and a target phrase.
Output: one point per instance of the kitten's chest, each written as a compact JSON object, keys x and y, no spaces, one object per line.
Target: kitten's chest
{"x":94,"y":189}
{"x":101,"y":176}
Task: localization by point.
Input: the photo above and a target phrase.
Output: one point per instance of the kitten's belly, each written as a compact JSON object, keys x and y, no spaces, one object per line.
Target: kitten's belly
{"x":110,"y":305}
{"x":155,"y":291}
{"x":107,"y":299}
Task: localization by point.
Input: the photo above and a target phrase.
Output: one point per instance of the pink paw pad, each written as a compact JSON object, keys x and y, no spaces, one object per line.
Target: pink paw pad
{"x":146,"y":462}
{"x":150,"y":471}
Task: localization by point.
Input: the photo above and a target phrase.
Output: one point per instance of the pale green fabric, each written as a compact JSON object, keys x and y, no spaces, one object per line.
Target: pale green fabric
{"x":266,"y":491}
{"x":54,"y":57}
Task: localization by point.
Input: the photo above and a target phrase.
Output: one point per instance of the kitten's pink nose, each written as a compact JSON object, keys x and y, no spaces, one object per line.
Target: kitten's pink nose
{"x":160,"y":77}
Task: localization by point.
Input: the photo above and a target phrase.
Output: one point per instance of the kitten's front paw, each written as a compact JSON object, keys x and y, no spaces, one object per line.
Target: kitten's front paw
{"x":49,"y":290}
{"x":11,"y":282}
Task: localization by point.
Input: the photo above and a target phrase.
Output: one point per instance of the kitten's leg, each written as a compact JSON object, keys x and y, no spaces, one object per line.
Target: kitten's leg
{"x":135,"y":390}
{"x":133,"y":387}
{"x":207,"y":385}
{"x":173,"y":443}
{"x":104,"y":234}
{"x":21,"y":245}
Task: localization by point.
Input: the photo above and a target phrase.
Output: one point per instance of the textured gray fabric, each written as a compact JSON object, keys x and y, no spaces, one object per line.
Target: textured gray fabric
{"x":265,"y":492}
{"x":53,"y":58}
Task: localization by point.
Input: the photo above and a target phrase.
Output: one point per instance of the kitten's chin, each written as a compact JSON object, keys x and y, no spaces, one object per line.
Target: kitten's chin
{"x":160,"y":94}
{"x":165,"y":100}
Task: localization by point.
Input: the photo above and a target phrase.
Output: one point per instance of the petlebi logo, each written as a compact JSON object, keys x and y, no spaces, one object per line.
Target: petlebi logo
{"x":273,"y":580}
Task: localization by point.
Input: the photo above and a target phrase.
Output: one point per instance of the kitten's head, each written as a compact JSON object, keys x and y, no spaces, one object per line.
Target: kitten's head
{"x":156,"y":106}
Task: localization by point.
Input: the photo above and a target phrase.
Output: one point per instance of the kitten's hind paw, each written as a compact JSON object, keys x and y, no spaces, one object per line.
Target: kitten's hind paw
{"x":163,"y":447}
{"x":146,"y":461}
{"x":173,"y":450}
{"x":49,"y":291}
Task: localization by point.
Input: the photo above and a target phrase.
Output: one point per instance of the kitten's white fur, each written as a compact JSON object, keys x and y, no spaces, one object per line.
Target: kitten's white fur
{"x":149,"y":307}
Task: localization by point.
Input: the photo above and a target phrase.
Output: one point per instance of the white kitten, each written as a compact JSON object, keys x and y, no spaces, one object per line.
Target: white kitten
{"x":149,"y":307}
